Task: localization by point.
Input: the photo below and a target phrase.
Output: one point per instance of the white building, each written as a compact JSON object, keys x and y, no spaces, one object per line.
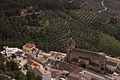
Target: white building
{"x":57,"y":56}
{"x":21,"y":60}
{"x":38,"y":69}
{"x":29,"y":48}
{"x":19,"y":56}
{"x":112,"y":63}
{"x":9,"y":51}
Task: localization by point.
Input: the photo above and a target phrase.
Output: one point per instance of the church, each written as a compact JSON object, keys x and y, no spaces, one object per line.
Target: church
{"x":87,"y":59}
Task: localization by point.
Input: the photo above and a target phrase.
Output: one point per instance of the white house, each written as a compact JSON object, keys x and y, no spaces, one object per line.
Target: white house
{"x":29,"y":47}
{"x":38,"y":69}
{"x":9,"y":51}
{"x":112,"y":63}
{"x":57,"y":56}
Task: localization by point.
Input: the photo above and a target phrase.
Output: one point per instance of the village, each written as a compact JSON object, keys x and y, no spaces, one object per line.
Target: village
{"x":75,"y":64}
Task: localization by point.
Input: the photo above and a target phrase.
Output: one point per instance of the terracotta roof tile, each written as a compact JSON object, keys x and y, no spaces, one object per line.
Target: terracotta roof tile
{"x":29,"y":45}
{"x":33,"y":63}
{"x":55,"y":54}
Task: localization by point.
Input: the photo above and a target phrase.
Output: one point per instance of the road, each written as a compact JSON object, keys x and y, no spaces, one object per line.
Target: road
{"x":105,"y":8}
{"x":83,"y":3}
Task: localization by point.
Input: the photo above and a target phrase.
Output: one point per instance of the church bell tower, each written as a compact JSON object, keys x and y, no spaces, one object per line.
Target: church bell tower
{"x":70,"y":47}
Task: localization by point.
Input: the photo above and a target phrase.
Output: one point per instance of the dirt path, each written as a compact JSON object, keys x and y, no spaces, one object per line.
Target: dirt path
{"x":105,"y":8}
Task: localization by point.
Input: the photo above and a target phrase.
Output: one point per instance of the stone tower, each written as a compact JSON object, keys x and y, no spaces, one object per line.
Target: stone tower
{"x":70,"y":47}
{"x":71,"y":44}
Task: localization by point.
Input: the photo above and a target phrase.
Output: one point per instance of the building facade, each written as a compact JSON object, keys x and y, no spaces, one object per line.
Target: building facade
{"x":29,"y":47}
{"x":88,"y":59}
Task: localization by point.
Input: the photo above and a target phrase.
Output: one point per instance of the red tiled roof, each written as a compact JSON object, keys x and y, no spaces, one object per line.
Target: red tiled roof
{"x":30,"y":62}
{"x":33,"y":63}
{"x":29,"y":45}
{"x":55,"y":54}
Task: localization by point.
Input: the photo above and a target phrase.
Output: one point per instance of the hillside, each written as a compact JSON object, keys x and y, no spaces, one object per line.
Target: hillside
{"x":56,"y":22}
{"x":13,"y":7}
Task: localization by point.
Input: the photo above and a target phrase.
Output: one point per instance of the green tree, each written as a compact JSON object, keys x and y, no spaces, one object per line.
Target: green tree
{"x":12,"y":65}
{"x":20,"y":76}
{"x":30,"y":75}
{"x":38,"y":78}
{"x":109,"y":44}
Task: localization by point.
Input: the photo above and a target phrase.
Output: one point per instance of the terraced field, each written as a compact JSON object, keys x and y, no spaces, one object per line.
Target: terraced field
{"x":88,"y":35}
{"x":62,"y":33}
{"x":84,"y":16}
{"x":56,"y":21}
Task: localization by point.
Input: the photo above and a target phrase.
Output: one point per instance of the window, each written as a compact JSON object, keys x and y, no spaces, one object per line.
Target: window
{"x":58,"y":57}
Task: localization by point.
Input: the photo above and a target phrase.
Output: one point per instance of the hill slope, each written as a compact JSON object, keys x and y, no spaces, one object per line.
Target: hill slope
{"x":49,"y":23}
{"x":50,"y":29}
